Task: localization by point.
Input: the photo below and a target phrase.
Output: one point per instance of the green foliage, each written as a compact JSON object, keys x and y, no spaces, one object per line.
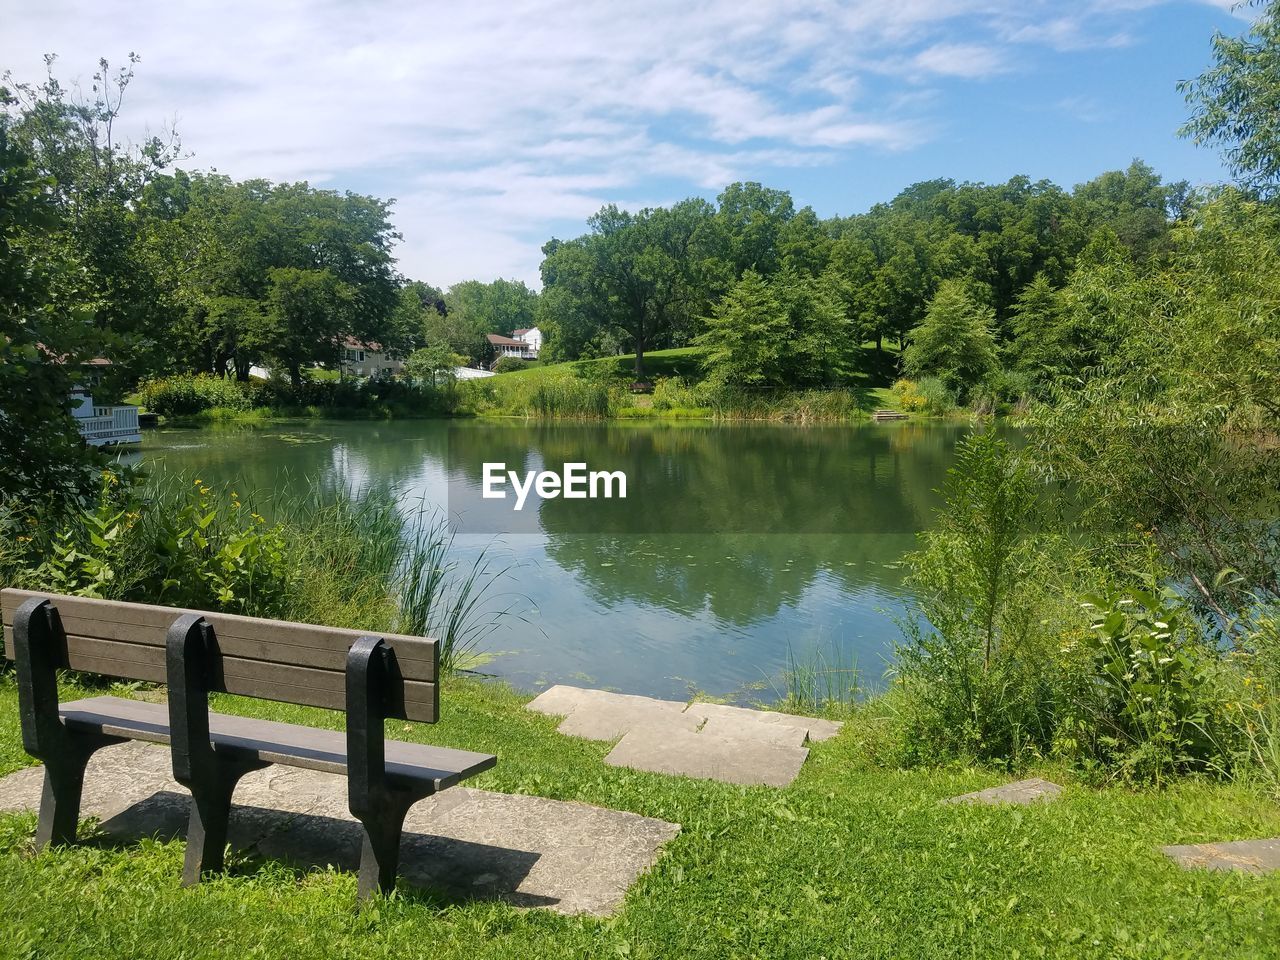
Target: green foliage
{"x":211,"y":398}
{"x":509,"y":365}
{"x":1172,"y":431}
{"x":180,"y":396}
{"x":434,"y":365}
{"x":1234,"y":102}
{"x":44,"y":333}
{"x":955,"y":342}
{"x":974,"y":666}
{"x":1141,"y":704}
{"x":746,"y":336}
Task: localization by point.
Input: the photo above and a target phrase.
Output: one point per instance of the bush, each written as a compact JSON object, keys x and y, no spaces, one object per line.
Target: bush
{"x":183,"y":395}
{"x":1141,"y":702}
{"x":676,"y":393}
{"x":975,"y":669}
{"x":929,"y":395}
{"x":938,"y":398}
{"x":509,"y":365}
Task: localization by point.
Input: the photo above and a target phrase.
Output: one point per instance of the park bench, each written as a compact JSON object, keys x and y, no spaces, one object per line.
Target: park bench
{"x":197,"y":653}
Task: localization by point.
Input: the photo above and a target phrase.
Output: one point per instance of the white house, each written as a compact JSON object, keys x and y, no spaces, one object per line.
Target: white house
{"x":524,"y":344}
{"x":532,"y":336}
{"x":367,"y":360}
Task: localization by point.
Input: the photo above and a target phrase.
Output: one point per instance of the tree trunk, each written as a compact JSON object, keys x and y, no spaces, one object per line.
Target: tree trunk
{"x":639,"y":359}
{"x":295,"y":375}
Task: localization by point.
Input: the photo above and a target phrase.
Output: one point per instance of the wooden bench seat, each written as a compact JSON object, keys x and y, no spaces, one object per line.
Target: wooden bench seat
{"x":196,"y":653}
{"x":273,"y":742}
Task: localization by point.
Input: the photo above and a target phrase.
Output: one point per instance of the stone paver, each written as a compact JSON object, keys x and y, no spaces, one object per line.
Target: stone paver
{"x":816,"y":728}
{"x":711,"y":740}
{"x":1021,"y":792}
{"x":747,"y":762}
{"x":529,"y":851}
{"x":1247,"y":856}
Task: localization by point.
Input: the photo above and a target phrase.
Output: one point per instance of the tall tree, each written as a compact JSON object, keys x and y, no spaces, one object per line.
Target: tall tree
{"x":954,"y":343}
{"x":1235,"y":104}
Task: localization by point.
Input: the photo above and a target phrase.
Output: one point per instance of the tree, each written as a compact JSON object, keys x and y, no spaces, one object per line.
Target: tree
{"x":1234,"y":102}
{"x":1135,"y":204}
{"x":310,"y":312}
{"x":435,"y":364}
{"x":46,"y":330}
{"x":954,"y":343}
{"x":746,"y":336}
{"x":1037,"y":347}
{"x":643,"y":274}
{"x":1172,"y":434}
{"x":752,"y":217}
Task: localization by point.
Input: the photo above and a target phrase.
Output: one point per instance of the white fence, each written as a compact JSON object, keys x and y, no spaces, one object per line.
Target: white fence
{"x":110,"y":425}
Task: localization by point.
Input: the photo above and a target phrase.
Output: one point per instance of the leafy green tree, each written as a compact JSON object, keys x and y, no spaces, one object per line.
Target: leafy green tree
{"x":435,"y":364}
{"x":644,"y":275}
{"x":746,"y":337}
{"x":310,"y":312}
{"x":790,"y":332}
{"x":1169,"y":440}
{"x":46,"y":330}
{"x":1135,"y":204}
{"x":752,"y":218}
{"x":954,"y":343}
{"x":1234,"y":102}
{"x":1037,"y":347}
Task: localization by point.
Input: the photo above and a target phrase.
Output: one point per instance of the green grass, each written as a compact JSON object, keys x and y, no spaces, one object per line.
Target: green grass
{"x":850,"y":861}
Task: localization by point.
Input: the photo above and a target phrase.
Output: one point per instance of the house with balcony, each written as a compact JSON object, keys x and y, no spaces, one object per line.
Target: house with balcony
{"x":524,"y":344}
{"x":103,"y":426}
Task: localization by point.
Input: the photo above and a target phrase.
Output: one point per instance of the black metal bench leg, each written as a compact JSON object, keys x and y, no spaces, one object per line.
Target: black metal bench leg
{"x":63,"y":788}
{"x":60,"y":801}
{"x":380,"y":853}
{"x":210,"y":818}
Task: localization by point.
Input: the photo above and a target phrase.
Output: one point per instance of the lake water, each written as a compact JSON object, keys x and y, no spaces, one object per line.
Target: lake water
{"x":737,"y":546}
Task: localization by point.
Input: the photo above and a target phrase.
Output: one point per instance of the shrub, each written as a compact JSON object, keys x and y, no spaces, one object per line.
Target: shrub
{"x":937,"y":398}
{"x":184,"y":395}
{"x":974,"y":668}
{"x":509,"y":365}
{"x":1142,"y":705}
{"x":676,"y":393}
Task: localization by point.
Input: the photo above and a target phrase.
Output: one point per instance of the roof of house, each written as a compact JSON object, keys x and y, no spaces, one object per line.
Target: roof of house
{"x":354,"y":344}
{"x":501,"y":341}
{"x":521,"y":330}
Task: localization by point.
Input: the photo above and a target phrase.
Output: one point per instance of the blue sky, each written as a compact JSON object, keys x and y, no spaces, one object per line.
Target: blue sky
{"x":498,"y":125}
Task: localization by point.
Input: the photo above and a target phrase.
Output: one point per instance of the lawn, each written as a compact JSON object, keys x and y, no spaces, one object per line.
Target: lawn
{"x":850,"y":861}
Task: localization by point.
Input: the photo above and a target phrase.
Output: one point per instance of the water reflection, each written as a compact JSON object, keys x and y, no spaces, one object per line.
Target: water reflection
{"x":735,"y":542}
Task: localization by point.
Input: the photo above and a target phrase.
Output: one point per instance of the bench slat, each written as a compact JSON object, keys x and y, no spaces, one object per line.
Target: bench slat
{"x":276,"y":640}
{"x":408,"y":656}
{"x":275,"y":742}
{"x":287,"y":672}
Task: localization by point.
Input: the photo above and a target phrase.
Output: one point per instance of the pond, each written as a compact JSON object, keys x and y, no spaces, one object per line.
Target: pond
{"x":737,"y":547}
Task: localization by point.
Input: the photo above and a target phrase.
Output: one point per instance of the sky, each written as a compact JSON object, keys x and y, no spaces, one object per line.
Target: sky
{"x":497,"y":125}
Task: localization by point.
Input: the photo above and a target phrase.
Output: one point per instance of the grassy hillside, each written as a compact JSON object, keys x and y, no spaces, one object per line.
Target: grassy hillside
{"x":599,"y":389}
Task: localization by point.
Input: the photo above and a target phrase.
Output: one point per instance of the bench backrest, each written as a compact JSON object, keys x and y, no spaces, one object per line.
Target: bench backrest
{"x":271,"y":659}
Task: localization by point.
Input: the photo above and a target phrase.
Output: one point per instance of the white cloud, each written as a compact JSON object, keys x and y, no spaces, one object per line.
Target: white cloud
{"x":492,"y":122}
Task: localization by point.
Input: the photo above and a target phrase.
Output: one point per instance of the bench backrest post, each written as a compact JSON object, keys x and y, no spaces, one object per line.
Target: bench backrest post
{"x":191,"y":649}
{"x":370,"y":662}
{"x":37,"y":637}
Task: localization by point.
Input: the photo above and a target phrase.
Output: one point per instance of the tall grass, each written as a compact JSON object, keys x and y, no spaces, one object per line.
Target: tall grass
{"x":331,"y":557}
{"x":441,"y":596}
{"x":559,"y":396}
{"x":820,"y":682}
